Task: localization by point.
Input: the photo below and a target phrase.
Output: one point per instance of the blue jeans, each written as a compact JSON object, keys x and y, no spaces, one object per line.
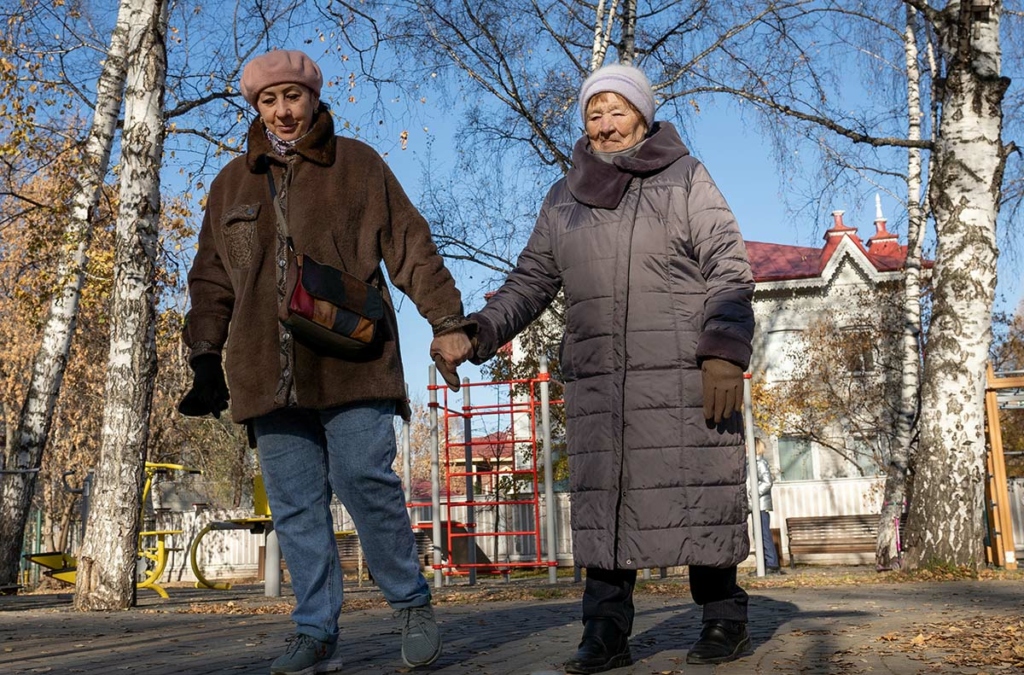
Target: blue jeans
{"x":771,"y":556}
{"x":304,"y":454}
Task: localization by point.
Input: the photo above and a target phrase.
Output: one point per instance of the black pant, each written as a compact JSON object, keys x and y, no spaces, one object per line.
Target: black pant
{"x":609,"y":594}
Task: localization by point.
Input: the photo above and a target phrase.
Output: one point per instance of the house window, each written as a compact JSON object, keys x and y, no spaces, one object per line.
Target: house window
{"x":782,"y":348}
{"x":859,"y":348}
{"x":795,"y":458}
{"x":865,"y":457}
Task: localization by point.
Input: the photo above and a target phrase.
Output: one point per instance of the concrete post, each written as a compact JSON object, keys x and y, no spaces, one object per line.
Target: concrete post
{"x":549,"y":476}
{"x":755,"y":501}
{"x":435,"y":478}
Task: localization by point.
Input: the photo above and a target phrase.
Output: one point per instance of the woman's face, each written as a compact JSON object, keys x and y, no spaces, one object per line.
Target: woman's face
{"x":612,"y":123}
{"x":287,"y":109}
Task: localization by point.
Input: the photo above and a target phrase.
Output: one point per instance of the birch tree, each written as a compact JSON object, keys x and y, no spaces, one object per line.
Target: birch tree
{"x":947,"y":522}
{"x":964,"y":197}
{"x":29,"y":437}
{"x":106,"y":563}
{"x":887,"y":549}
{"x":58,"y":64}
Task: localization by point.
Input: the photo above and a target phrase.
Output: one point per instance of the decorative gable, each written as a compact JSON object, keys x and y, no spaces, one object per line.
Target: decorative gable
{"x":782,"y":266}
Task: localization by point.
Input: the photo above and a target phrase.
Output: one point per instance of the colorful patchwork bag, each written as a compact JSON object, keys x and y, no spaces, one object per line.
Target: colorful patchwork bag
{"x":328,"y":310}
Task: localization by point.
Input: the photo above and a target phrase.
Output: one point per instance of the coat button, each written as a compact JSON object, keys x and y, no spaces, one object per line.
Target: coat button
{"x":629,"y":561}
{"x":282,"y":263}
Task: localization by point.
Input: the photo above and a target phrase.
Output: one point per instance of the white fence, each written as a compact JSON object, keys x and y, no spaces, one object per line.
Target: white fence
{"x":834,"y":497}
{"x":235,"y":554}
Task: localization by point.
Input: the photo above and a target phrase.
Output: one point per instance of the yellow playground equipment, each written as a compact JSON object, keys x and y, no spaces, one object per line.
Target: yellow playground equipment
{"x":259,"y":523}
{"x":153,"y":549}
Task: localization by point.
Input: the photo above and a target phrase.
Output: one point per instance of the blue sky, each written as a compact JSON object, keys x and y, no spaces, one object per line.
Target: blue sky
{"x":741,"y":163}
{"x":734,"y":150}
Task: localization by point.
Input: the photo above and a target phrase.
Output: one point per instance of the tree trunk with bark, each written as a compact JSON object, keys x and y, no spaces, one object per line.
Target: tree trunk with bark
{"x":887,"y":552}
{"x":106,"y":563}
{"x":947,"y":523}
{"x":35,"y":419}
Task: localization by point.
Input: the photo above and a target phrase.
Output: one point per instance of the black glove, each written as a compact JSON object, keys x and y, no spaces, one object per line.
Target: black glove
{"x":209,"y":392}
{"x":723,"y":389}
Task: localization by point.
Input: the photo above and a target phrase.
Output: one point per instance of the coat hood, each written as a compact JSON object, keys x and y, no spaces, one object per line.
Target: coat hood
{"x":600,"y":184}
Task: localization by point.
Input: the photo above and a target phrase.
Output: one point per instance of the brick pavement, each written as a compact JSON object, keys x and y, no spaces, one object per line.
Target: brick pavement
{"x":801,"y":629}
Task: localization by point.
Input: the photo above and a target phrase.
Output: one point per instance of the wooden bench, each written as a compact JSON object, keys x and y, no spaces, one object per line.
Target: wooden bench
{"x":349,"y":555}
{"x":832,"y":534}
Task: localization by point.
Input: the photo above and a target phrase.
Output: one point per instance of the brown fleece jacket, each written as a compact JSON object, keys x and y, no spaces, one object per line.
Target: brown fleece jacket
{"x":344,"y":208}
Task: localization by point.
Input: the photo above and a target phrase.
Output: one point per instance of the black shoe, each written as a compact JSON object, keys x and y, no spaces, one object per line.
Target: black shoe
{"x":774,"y":570}
{"x":603,"y":647}
{"x":720,"y":641}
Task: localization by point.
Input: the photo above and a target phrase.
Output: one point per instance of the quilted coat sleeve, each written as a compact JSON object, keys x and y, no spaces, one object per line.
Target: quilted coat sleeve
{"x":728,"y":313}
{"x":527,"y":292}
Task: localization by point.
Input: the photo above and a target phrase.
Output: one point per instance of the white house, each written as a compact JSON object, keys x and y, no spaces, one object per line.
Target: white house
{"x":832,"y":314}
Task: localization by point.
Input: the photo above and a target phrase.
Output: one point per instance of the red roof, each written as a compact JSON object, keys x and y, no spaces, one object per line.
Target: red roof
{"x":499,"y":445}
{"x":781,"y":262}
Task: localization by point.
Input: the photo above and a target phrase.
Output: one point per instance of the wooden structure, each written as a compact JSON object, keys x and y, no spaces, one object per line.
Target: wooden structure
{"x":1001,"y":552}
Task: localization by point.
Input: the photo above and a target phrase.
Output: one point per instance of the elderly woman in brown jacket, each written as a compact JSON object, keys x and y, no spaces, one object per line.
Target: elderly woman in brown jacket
{"x":320,"y":422}
{"x":658,"y":333}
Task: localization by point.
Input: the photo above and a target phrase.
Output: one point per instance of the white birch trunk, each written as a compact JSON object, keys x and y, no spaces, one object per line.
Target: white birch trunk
{"x":887,"y":554}
{"x":106,"y":563}
{"x":627,"y":46}
{"x":947,"y":523}
{"x":30,"y":434}
{"x":604,"y":19}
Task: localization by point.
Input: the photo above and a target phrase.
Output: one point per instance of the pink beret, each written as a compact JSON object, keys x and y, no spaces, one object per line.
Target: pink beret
{"x":278,"y":67}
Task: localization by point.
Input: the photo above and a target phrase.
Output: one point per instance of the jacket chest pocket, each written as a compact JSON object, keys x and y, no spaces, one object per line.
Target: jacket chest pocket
{"x":239,"y":227}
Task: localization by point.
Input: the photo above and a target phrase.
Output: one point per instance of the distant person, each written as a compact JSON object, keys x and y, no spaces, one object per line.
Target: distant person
{"x":764,"y":491}
{"x":658,"y":333}
{"x":321,"y":423}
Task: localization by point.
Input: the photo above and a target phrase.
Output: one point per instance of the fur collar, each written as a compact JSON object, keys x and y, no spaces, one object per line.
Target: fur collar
{"x":317,"y":146}
{"x":601,"y":184}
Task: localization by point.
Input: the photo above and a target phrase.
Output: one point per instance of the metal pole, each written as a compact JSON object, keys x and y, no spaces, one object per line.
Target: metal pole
{"x":272,"y":566}
{"x":86,"y":503}
{"x":407,"y":458}
{"x":549,"y":474}
{"x":467,"y":437}
{"x":755,"y":501}
{"x":39,"y":541}
{"x":435,"y":477}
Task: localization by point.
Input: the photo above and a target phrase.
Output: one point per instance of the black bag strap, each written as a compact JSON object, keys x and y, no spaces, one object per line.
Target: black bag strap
{"x":282,"y":224}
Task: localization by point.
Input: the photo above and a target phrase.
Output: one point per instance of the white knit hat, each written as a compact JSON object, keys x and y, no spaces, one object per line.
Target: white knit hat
{"x":628,"y":82}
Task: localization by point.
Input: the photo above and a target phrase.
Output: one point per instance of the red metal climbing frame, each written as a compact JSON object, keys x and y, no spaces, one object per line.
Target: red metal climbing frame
{"x":488,"y":474}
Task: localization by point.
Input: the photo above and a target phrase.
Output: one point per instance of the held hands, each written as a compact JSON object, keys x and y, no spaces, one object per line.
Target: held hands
{"x":723,"y":389}
{"x":448,"y":351}
{"x":209,"y":392}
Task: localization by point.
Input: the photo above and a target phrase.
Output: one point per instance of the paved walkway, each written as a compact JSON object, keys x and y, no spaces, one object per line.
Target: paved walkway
{"x":905,"y":628}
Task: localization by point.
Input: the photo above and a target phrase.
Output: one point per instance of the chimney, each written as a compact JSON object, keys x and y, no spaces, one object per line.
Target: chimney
{"x":883,"y":242}
{"x":880,"y":221}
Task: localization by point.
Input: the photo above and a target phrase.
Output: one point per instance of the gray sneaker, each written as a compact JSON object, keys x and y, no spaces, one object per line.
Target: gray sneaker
{"x":306,"y":656}
{"x":421,"y":640}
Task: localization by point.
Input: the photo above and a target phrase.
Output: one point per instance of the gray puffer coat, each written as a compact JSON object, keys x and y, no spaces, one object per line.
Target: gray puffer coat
{"x":656,"y":279}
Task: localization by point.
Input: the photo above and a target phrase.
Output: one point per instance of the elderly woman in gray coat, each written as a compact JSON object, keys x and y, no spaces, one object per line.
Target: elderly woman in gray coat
{"x":658,"y":334}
